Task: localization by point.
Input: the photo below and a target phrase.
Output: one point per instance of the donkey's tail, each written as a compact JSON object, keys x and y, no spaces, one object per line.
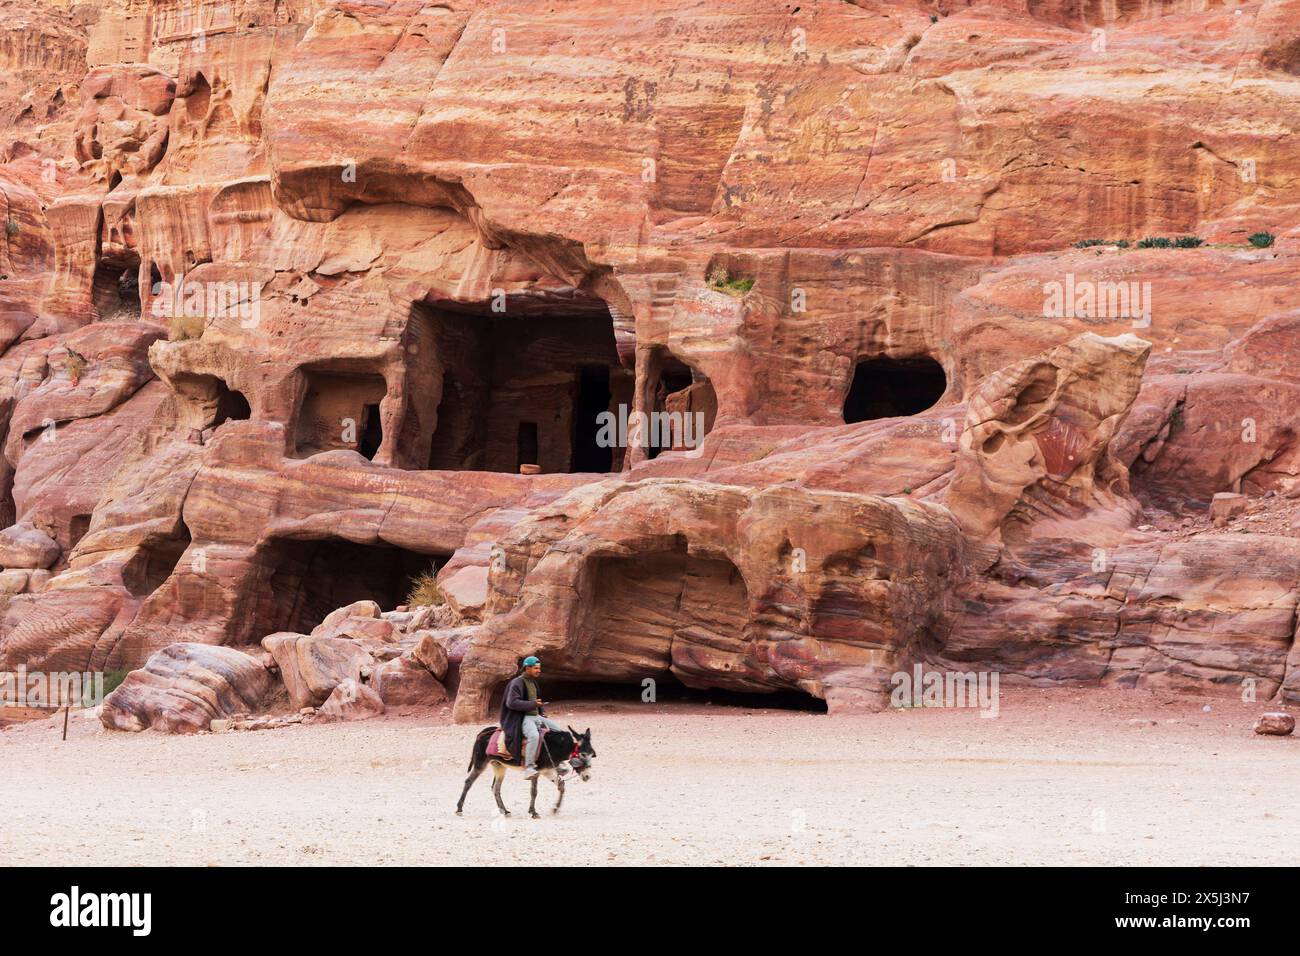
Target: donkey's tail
{"x":482,"y":735}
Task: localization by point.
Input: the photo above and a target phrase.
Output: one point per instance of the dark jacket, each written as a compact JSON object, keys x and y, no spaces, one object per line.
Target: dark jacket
{"x":515,"y":706}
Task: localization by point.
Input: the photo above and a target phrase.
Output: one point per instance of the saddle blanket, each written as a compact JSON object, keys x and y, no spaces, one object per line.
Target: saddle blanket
{"x":497,"y":745}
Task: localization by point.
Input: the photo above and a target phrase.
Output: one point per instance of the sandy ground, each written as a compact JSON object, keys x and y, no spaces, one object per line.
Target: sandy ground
{"x":1060,"y":777}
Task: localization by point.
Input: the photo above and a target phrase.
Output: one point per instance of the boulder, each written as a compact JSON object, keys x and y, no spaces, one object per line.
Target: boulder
{"x":13,"y":581}
{"x":356,"y":609}
{"x":311,"y":667}
{"x":406,"y":682}
{"x":351,"y":700}
{"x":22,"y":546}
{"x":430,"y":653}
{"x":1275,"y":724}
{"x":184,"y":687}
{"x":359,"y":627}
{"x":1225,"y":506}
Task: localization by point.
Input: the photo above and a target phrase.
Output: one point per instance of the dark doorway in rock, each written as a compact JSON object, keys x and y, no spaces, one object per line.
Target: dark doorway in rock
{"x":888,"y":388}
{"x":592,"y":400}
{"x":372,"y":432}
{"x":526,"y":444}
{"x":309,"y":578}
{"x":497,"y":390}
{"x":8,"y":507}
{"x":340,"y":409}
{"x":154,"y":561}
{"x":77,"y":528}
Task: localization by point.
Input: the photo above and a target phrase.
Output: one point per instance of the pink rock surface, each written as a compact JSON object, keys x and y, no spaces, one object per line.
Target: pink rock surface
{"x":293,"y":303}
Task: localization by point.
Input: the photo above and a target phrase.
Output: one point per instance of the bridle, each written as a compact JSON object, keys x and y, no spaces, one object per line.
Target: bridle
{"x":576,"y":760}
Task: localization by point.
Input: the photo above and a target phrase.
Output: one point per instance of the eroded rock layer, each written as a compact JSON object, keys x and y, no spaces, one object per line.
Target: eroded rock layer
{"x":764,"y":347}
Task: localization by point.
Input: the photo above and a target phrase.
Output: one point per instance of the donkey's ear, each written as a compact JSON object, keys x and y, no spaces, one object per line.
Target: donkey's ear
{"x":588,"y":733}
{"x":572,"y":731}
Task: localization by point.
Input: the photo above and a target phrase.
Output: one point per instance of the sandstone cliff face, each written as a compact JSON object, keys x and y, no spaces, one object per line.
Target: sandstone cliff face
{"x":303,"y":298}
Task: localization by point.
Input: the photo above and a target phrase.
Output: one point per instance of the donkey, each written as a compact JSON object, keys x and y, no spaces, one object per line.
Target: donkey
{"x":557,"y":748}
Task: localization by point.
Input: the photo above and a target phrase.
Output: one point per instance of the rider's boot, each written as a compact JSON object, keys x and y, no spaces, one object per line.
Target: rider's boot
{"x":530,"y":773}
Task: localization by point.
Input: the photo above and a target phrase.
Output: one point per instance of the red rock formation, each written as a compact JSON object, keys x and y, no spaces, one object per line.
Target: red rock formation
{"x":294,"y":291}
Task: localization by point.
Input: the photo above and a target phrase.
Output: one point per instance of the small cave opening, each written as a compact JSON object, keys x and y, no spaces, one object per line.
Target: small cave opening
{"x":115,"y":292}
{"x":684,"y":405}
{"x":886,"y":387}
{"x":309,"y":578}
{"x":154,"y":561}
{"x":8,"y":506}
{"x":232,"y":406}
{"x":209,"y":402}
{"x":78,"y":527}
{"x":340,"y":410}
{"x":199,"y":97}
{"x":534,"y":386}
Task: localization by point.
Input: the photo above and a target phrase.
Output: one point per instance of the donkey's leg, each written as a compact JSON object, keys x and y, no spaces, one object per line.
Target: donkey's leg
{"x":559,"y":800}
{"x":469,"y":782}
{"x":532,"y":801}
{"x":499,"y":774}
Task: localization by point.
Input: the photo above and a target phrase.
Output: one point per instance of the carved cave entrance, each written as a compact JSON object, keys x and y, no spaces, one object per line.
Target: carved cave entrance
{"x":683,"y":401}
{"x":676,"y":618}
{"x":889,"y":388}
{"x":501,"y":392}
{"x":307,"y":579}
{"x":209,"y":401}
{"x":151,"y":565}
{"x":340,"y":409}
{"x":116,"y":290}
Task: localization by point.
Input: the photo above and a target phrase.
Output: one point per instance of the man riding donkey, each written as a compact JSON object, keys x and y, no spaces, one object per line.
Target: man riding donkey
{"x":522,"y":715}
{"x":522,"y":712}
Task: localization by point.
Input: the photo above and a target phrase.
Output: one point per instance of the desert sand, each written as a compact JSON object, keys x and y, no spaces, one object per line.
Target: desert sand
{"x":1059,"y":777}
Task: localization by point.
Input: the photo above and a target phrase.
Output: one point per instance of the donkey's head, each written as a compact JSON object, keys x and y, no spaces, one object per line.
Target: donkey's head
{"x":583,"y":754}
